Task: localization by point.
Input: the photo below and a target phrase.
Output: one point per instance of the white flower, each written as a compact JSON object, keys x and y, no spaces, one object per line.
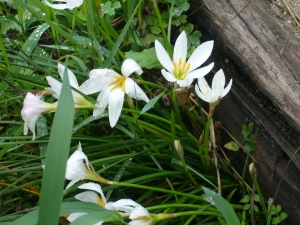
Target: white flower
{"x":32,"y":108}
{"x":69,"y":4}
{"x":217,"y":91}
{"x":78,"y":168}
{"x":124,"y":205}
{"x":113,"y":87}
{"x":56,"y":86}
{"x":179,"y":70}
{"x":140,"y":216}
{"x":89,"y":196}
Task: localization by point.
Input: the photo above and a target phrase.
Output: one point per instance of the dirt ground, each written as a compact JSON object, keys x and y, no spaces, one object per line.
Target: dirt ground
{"x":288,"y":11}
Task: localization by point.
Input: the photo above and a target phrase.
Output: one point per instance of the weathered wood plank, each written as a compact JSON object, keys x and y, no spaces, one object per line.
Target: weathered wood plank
{"x":260,"y":45}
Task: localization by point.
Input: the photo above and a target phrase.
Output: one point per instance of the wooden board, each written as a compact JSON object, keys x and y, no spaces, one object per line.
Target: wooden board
{"x":264,"y":61}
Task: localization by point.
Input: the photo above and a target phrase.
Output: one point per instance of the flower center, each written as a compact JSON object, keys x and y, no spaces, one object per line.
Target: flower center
{"x":181,"y":69}
{"x":119,"y":82}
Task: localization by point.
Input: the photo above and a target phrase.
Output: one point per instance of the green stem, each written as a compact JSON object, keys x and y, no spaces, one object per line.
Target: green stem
{"x":207,"y":133}
{"x":162,"y":27}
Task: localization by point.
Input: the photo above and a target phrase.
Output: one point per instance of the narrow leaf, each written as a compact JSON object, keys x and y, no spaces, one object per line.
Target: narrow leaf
{"x":222,"y":205}
{"x":57,"y":155}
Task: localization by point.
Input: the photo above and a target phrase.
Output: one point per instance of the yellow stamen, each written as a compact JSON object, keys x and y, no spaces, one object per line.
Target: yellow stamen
{"x":181,"y":69}
{"x":119,"y":82}
{"x":100,"y":201}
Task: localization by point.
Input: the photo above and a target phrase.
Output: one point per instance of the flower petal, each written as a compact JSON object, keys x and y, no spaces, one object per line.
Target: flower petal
{"x":88,"y":196}
{"x":180,"y":48}
{"x":163,"y":57}
{"x":74,"y":216}
{"x":124,"y":205}
{"x":70,"y":4}
{"x":102,"y":101}
{"x":32,"y":109}
{"x":200,"y":55}
{"x":72,"y":78}
{"x":139,"y":212}
{"x":96,"y":81}
{"x":185,"y":83}
{"x":134,"y":91}
{"x":130,"y":66}
{"x":116,"y":99}
{"x":201,"y":72}
{"x":227,"y":89}
{"x":93,"y":187}
{"x":55,"y":86}
{"x":199,"y":93}
{"x":218,"y":80}
{"x":168,"y":76}
{"x":75,"y":165}
{"x":72,"y":182}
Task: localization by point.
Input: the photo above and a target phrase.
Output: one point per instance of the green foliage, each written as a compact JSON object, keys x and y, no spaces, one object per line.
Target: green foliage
{"x":222,"y":205}
{"x":146,"y":59}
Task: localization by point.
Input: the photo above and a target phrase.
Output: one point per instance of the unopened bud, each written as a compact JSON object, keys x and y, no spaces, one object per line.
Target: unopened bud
{"x":179,"y":149}
{"x":252,"y":170}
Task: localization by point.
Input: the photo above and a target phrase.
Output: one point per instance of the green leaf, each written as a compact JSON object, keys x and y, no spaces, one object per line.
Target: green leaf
{"x":246,"y":207}
{"x":151,"y":103}
{"x":57,"y":155}
{"x":232,"y":146}
{"x":95,"y":217}
{"x":247,"y":130}
{"x":116,"y":4}
{"x":3,"y":87}
{"x":146,"y":59}
{"x":222,"y":205}
{"x":245,"y":199}
{"x":155,"y":29}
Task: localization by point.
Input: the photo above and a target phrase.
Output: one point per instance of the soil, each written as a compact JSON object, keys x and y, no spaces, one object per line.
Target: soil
{"x":288,"y":11}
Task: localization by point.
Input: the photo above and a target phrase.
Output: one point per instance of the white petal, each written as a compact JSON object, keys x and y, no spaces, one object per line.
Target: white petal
{"x":185,"y":83}
{"x":31,"y":110}
{"x":124,"y":205}
{"x":102,"y":101}
{"x":70,"y":4}
{"x":180,"y":48}
{"x":199,"y":93}
{"x":74,"y":3}
{"x":93,"y":187}
{"x":202,"y":84}
{"x":140,"y":222}
{"x":116,"y":99}
{"x":227,"y":89}
{"x":168,"y":76}
{"x":89,"y":87}
{"x":201,"y":72}
{"x":72,"y":182}
{"x":218,"y":80}
{"x":134,"y":91}
{"x":74,"y":216}
{"x":138,"y":212}
{"x":57,"y":6}
{"x":163,"y":57}
{"x":72,"y":78}
{"x":200,"y":55}
{"x":55,"y":86}
{"x":76,"y":168}
{"x":88,"y":196}
{"x":130,"y":66}
{"x":97,"y":81}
